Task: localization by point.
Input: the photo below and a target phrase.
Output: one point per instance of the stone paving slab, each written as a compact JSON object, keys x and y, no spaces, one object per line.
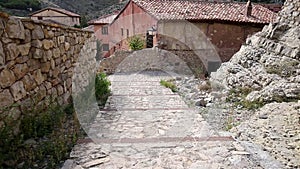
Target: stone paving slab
{"x":147,"y":126}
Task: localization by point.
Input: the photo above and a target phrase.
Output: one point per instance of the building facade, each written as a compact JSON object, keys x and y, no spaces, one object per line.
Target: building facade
{"x":56,"y":15}
{"x":223,"y":26}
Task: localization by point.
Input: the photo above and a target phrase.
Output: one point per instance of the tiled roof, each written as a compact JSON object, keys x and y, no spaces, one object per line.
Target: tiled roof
{"x":103,"y":19}
{"x":63,"y":11}
{"x":201,"y":10}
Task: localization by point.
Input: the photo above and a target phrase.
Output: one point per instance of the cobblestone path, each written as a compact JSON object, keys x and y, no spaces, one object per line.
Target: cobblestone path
{"x":146,"y":125}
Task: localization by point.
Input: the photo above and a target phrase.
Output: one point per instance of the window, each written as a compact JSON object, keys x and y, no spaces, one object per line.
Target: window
{"x":40,"y":18}
{"x":127,"y":33}
{"x":122,"y":31}
{"x":104,"y":30}
{"x":105,"y":47}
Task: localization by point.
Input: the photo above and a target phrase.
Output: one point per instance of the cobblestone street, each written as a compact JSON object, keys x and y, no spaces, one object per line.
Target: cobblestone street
{"x":145,"y":125}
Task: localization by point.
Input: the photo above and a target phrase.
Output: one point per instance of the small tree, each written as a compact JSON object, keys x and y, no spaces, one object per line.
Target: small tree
{"x":136,"y":43}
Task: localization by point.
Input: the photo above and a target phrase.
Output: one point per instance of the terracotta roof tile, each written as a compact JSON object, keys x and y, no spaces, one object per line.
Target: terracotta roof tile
{"x":201,"y":10}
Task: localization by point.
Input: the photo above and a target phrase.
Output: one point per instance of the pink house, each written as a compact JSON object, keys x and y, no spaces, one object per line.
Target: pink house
{"x":102,"y":32}
{"x":225,"y":24}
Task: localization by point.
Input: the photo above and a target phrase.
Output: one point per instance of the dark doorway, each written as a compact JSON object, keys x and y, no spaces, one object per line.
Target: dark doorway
{"x":149,"y":40}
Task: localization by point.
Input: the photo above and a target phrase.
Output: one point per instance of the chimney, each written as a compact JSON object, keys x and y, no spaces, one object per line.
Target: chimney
{"x":248,"y":8}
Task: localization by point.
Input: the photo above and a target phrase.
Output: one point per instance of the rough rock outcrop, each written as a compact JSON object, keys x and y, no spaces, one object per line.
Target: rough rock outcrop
{"x":268,"y":66}
{"x":269,"y":62}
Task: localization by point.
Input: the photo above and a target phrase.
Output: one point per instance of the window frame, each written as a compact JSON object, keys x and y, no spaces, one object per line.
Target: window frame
{"x":105,"y":47}
{"x":104,"y":30}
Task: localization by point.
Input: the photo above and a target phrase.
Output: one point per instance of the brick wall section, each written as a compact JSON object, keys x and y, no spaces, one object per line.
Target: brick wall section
{"x":37,"y":61}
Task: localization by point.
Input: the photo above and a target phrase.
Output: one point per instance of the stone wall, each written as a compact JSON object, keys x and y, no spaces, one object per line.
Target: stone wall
{"x":37,"y":61}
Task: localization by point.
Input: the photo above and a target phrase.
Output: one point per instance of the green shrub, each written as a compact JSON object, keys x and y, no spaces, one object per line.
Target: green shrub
{"x":102,"y":90}
{"x":45,"y":138}
{"x":169,"y":84}
{"x":136,"y":43}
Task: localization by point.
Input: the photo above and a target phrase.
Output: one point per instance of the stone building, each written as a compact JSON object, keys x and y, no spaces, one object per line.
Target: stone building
{"x":56,"y":15}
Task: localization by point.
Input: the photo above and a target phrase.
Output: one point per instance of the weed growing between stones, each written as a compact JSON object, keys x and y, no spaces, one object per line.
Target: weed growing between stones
{"x":284,"y":69}
{"x":237,"y":96}
{"x":169,"y":84}
{"x":44,"y":140}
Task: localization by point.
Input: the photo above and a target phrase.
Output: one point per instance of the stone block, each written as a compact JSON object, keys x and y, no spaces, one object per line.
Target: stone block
{"x":37,"y":43}
{"x":7,"y":78}
{"x":54,"y":92}
{"x":15,"y":29}
{"x":37,"y":53}
{"x":46,"y":67}
{"x":27,"y":36}
{"x":47,"y":44}
{"x":6,"y":98}
{"x":60,"y":90}
{"x":67,"y":46}
{"x":48,"y":85}
{"x":52,"y":64}
{"x":58,"y":61}
{"x":20,"y":70}
{"x":29,"y":83}
{"x":61,"y":39}
{"x":38,"y":76}
{"x":24,"y":49}
{"x":48,"y":33}
{"x":2,"y":55}
{"x":22,"y":59}
{"x":55,"y":72}
{"x":56,"y":53}
{"x":29,"y":25}
{"x":42,"y":92}
{"x":48,"y":55}
{"x":2,"y":26}
{"x":12,"y":52}
{"x":18,"y":91}
{"x":37,"y":32}
{"x":62,"y":49}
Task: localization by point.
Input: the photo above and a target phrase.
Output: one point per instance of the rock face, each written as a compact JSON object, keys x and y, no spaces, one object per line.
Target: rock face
{"x":268,"y":66}
{"x":269,"y":62}
{"x":276,"y":128}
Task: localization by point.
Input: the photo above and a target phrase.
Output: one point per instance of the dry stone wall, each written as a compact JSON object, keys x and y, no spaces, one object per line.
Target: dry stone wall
{"x":37,"y":61}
